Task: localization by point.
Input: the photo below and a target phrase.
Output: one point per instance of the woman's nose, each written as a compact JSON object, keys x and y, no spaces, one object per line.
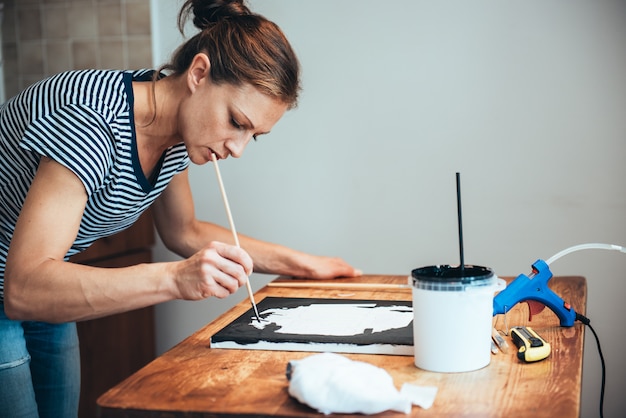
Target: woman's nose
{"x":237,"y":146}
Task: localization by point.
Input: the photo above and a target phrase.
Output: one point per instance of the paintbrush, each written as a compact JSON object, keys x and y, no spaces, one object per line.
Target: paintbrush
{"x":232,"y":228}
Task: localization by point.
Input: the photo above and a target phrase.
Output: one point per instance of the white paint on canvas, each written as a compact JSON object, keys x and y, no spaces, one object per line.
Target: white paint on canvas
{"x":336,"y":320}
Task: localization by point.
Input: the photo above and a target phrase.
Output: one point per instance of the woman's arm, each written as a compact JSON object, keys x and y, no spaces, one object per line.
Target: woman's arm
{"x":184,"y":234}
{"x":40,"y":285}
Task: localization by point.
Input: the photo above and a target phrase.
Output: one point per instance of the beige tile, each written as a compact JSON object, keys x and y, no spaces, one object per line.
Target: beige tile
{"x":82,"y":21}
{"x":112,"y":54}
{"x":139,"y":50}
{"x":28,"y":80}
{"x":10,"y":68}
{"x":84,"y":54}
{"x":138,"y":17}
{"x":109,"y":19}
{"x":28,"y":22}
{"x":10,"y":60}
{"x":55,"y":23}
{"x":58,"y":57}
{"x":11,"y":85}
{"x":30,"y":58}
{"x":25,"y":81}
{"x":8,"y":23}
{"x":44,"y":37}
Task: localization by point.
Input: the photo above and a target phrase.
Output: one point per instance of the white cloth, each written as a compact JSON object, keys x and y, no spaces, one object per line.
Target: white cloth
{"x":332,"y":383}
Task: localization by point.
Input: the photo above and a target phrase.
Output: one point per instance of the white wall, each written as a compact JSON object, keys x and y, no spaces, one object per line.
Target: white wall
{"x":526,"y":99}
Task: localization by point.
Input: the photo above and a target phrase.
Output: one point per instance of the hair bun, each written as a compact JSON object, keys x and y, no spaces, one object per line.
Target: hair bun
{"x":208,"y":12}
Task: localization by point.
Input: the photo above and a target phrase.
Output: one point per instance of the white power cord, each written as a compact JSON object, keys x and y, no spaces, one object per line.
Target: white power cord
{"x":585,"y":247}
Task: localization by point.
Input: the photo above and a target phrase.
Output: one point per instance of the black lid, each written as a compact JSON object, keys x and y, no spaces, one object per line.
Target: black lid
{"x":452,"y":274}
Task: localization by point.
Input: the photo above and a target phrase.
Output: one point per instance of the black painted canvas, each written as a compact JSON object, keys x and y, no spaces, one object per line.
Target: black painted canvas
{"x":318,"y":325}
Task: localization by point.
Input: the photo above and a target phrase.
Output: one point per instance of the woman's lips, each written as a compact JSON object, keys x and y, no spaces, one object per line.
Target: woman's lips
{"x":213,"y":153}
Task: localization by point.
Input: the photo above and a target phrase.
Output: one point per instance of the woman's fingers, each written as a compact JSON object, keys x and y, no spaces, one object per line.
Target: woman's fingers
{"x":217,"y":270}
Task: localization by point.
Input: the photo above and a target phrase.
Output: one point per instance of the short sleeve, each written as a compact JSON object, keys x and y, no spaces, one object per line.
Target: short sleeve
{"x":184,"y":160}
{"x":76,"y":137}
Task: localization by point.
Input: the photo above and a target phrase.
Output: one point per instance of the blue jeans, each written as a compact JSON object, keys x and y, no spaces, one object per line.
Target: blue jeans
{"x":39,"y":369}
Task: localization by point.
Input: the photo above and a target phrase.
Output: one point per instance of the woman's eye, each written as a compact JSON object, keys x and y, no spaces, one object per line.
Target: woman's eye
{"x":236,"y":124}
{"x":239,"y":126}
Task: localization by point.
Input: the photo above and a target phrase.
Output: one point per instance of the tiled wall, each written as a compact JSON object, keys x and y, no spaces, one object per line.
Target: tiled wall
{"x":44,"y":37}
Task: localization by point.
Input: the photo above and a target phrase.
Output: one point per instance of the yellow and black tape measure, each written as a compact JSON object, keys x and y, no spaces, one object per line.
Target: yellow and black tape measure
{"x":531,"y":347}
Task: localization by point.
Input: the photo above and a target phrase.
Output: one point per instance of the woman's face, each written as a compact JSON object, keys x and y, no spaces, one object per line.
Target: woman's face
{"x":223,"y":118}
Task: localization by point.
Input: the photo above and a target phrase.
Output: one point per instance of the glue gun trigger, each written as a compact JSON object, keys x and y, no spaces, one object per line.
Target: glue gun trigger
{"x":534,"y":308}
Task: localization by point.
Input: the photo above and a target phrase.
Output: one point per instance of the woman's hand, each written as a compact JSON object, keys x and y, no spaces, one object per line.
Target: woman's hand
{"x":217,"y":270}
{"x":319,"y":267}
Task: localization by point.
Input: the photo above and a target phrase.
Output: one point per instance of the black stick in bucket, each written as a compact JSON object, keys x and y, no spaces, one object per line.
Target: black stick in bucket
{"x":458,"y":206}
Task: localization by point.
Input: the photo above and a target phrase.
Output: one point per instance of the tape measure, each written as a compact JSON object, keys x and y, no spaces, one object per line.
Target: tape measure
{"x":531,"y":347}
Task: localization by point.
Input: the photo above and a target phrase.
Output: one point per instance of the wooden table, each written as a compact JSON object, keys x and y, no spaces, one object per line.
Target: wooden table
{"x":193,"y":380}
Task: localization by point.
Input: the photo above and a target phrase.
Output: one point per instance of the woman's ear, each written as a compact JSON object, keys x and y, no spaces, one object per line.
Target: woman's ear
{"x":198,"y":71}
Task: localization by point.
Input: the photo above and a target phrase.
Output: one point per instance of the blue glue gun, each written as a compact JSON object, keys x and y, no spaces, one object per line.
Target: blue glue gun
{"x":534,"y":288}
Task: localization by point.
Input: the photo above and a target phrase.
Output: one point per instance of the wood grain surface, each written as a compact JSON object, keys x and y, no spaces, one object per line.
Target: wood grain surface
{"x":194,"y":380}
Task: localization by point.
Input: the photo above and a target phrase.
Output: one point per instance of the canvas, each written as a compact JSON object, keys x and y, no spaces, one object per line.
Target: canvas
{"x":321,"y":325}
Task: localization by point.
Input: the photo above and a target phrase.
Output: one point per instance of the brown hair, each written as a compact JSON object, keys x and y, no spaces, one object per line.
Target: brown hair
{"x":243,"y":47}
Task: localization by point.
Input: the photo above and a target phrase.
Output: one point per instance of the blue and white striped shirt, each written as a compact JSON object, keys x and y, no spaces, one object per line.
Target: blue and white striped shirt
{"x":83,"y":120}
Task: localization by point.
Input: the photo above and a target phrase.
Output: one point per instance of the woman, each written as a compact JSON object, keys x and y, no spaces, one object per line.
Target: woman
{"x":84,"y":153}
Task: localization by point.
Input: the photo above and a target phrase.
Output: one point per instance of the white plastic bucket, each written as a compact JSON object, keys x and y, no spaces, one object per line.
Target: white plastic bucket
{"x":453,"y":310}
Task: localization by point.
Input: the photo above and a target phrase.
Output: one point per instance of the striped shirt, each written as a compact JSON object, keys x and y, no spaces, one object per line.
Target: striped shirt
{"x":83,"y":120}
